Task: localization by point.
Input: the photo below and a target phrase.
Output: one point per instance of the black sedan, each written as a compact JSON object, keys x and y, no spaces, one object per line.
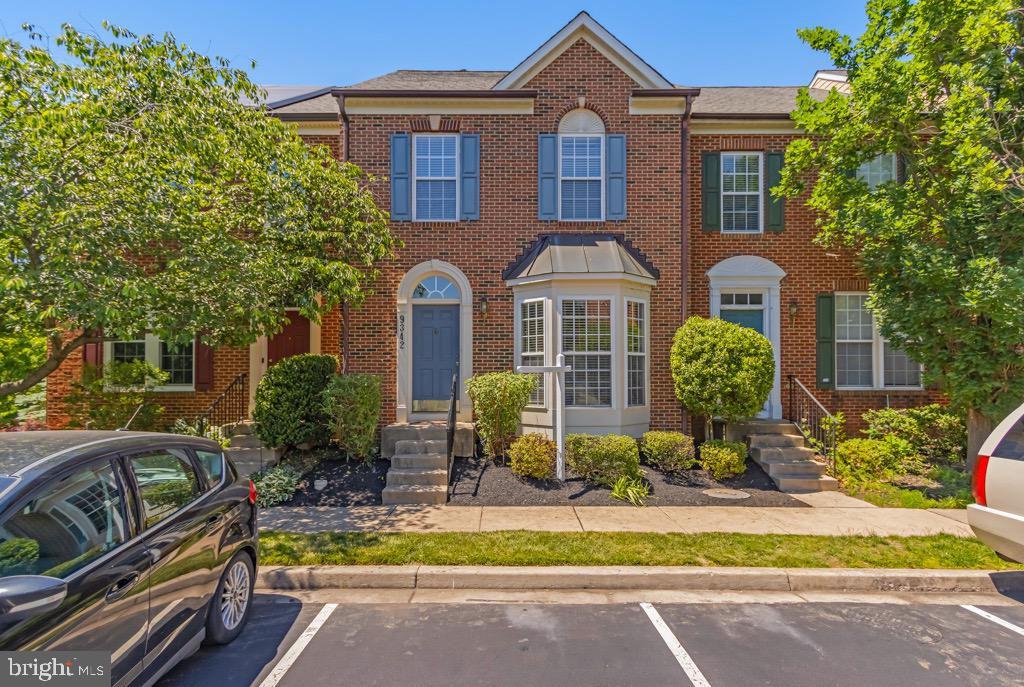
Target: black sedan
{"x":133,"y":543}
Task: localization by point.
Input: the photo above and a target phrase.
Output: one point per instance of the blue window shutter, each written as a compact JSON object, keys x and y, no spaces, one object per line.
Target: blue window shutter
{"x":401,"y":184}
{"x":615,"y":166}
{"x":547,"y":176}
{"x":470,"y":176}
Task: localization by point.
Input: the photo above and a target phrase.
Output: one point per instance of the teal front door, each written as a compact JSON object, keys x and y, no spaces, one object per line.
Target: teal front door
{"x":435,"y":353}
{"x":753,"y":319}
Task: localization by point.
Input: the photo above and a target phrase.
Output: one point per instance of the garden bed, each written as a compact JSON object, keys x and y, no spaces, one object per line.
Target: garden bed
{"x":482,"y":482}
{"x":348,"y":483}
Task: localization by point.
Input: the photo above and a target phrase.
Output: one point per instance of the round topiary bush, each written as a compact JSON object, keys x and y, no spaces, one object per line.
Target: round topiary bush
{"x":721,"y":369}
{"x":498,"y":402}
{"x":603,"y":459}
{"x":723,"y":458}
{"x":533,"y":455}
{"x":289,"y":408}
{"x":669,"y":451}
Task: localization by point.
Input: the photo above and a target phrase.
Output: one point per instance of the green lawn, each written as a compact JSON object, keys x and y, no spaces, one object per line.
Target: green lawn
{"x":949,"y":489}
{"x":626,"y":548}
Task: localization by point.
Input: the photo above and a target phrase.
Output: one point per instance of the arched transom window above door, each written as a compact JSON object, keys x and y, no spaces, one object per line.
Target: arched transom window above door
{"x":436,"y":288}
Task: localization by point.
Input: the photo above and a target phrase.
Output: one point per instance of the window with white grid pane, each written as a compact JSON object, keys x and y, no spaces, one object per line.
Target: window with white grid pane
{"x":864,"y":359}
{"x":531,"y":344}
{"x":636,"y":353}
{"x":741,"y":192}
{"x":177,"y":360}
{"x":435,"y":165}
{"x":587,"y":346}
{"x":878,"y":170}
{"x":581,"y":167}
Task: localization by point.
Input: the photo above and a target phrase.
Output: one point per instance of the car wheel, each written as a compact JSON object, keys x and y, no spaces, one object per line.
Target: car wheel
{"x":229,"y":608}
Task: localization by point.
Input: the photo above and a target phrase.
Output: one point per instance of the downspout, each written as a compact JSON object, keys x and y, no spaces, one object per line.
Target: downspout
{"x":345,"y":309}
{"x":684,"y":222}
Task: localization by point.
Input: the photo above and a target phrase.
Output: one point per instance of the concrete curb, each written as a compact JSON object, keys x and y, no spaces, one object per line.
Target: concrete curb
{"x":637,"y":577}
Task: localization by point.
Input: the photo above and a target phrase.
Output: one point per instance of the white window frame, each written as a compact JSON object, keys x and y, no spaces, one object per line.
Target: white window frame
{"x":545,"y":320}
{"x":646,"y":355}
{"x":153,"y":358}
{"x":611,"y":300}
{"x":458,"y":171}
{"x":760,"y":192}
{"x":601,"y":181}
{"x":877,"y":357}
{"x":892,"y":162}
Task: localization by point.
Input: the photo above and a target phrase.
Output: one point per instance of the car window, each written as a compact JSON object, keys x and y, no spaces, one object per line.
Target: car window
{"x":212,"y":465}
{"x":166,"y":483}
{"x":66,"y":525}
{"x":1012,"y":445}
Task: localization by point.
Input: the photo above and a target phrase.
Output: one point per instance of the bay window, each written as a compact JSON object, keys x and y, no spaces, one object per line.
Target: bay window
{"x":636,"y":353}
{"x":587,"y":346}
{"x":531,"y":344}
{"x":864,"y":358}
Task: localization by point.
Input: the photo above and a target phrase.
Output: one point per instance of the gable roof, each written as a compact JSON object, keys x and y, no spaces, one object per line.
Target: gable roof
{"x":580,"y":254}
{"x":586,"y":27}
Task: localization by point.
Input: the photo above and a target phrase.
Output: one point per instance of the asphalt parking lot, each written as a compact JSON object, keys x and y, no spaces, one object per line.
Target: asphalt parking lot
{"x":293,"y":643}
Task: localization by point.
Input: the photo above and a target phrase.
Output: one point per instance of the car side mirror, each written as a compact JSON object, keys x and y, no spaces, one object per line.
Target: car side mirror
{"x":24,"y":596}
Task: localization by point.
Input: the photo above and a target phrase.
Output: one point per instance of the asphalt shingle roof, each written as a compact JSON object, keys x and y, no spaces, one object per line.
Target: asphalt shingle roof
{"x":432,"y":80}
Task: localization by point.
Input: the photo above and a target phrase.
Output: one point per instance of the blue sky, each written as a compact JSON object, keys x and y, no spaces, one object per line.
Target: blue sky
{"x":743,"y":42}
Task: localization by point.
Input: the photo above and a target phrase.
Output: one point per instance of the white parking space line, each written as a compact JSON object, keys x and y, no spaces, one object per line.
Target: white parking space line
{"x":697,"y":678}
{"x":994,"y":618}
{"x":296,"y":649}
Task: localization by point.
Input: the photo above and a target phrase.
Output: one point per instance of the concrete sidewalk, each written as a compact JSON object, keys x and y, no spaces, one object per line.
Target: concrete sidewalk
{"x":838,"y":520}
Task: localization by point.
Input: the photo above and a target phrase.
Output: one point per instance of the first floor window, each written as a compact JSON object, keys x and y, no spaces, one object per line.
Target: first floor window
{"x":177,"y":360}
{"x":581,"y":168}
{"x":864,"y":359}
{"x":531,"y":344}
{"x":587,"y":346}
{"x":636,"y":353}
{"x":741,"y":192}
{"x":435,"y":164}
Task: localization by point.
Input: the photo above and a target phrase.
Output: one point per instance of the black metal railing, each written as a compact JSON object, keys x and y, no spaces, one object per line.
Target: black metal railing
{"x":818,"y":426}
{"x":230,"y":406}
{"x":453,"y":401}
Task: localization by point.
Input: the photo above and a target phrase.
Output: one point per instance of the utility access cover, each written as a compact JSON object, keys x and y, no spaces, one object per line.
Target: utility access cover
{"x":734,"y":494}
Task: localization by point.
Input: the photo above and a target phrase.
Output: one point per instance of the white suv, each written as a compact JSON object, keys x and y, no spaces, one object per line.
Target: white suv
{"x":997,"y":517}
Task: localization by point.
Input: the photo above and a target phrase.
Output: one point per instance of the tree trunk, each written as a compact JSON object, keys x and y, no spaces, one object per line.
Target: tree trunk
{"x":978,"y":428}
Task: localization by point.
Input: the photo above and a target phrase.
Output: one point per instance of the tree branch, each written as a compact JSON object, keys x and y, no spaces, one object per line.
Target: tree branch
{"x":59,"y":351}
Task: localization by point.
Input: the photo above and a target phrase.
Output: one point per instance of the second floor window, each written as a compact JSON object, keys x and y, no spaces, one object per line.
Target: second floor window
{"x":580,"y":176}
{"x":435,"y":166}
{"x":741,"y":192}
{"x":878,"y":170}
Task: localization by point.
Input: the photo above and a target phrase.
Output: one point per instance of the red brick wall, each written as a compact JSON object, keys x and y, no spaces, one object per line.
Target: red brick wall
{"x":508,"y":221}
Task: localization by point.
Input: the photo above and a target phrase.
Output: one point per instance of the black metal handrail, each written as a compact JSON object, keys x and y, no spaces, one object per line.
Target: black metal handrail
{"x":230,"y":406}
{"x":452,"y":405}
{"x":813,"y":420}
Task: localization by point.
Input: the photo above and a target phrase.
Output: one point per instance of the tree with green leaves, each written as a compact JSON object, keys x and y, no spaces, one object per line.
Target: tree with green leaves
{"x":140,"y":190}
{"x":939,"y":84}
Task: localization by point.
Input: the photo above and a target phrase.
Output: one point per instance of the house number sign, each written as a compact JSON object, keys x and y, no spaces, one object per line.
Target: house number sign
{"x":401,"y":331}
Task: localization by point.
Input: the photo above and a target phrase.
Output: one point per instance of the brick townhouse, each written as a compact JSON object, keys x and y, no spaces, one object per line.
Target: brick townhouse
{"x":580,"y":203}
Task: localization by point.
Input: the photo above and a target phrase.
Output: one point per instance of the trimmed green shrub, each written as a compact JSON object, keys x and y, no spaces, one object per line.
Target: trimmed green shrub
{"x":498,"y":402}
{"x":632,"y":490}
{"x":533,"y":455}
{"x":111,"y":399}
{"x":289,"y":408}
{"x":18,"y":556}
{"x":723,"y":458}
{"x":721,"y":369}
{"x":669,"y":451}
{"x":191,"y":428}
{"x":275,"y":485}
{"x":867,"y":460}
{"x":603,"y":459}
{"x":352,"y":404}
{"x":936,"y":434}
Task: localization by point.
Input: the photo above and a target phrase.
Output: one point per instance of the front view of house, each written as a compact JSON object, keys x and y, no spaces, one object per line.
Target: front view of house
{"x":580,"y":204}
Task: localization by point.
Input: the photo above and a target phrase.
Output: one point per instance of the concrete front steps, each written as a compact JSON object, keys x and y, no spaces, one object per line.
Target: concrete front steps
{"x":418,"y":472}
{"x":246,"y":451}
{"x":781,"y":451}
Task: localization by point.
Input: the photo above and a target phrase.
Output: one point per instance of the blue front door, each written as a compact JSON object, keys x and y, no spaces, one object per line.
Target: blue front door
{"x":435,"y":351}
{"x":753,"y":319}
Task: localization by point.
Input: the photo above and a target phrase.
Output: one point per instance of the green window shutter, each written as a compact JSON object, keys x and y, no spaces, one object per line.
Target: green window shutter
{"x":825,"y":334}
{"x":711,"y":192}
{"x":774,"y":208}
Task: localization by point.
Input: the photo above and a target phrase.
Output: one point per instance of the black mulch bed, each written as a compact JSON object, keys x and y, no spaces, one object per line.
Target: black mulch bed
{"x":348,"y":484}
{"x":482,"y":482}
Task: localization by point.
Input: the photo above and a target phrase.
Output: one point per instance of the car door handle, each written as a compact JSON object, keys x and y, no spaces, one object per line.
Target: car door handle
{"x":122,"y":586}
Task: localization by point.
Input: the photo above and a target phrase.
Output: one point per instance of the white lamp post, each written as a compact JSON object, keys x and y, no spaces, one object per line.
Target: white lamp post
{"x":557,"y":372}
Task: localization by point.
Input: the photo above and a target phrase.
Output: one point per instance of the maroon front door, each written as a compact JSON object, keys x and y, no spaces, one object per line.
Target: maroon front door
{"x":292,"y":340}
